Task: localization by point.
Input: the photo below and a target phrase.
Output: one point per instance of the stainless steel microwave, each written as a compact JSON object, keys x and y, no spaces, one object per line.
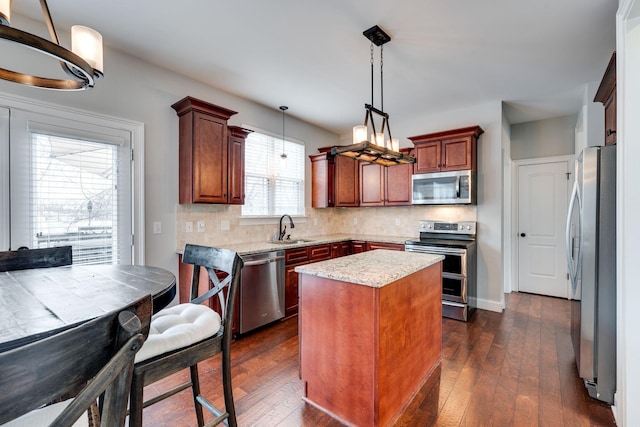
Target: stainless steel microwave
{"x":444,"y":188}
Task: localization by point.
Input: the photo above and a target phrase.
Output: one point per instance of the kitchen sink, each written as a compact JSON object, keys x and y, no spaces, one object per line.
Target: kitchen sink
{"x":291,"y":241}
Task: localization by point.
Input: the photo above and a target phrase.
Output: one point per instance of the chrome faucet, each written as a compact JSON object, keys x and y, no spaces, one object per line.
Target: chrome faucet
{"x":281,"y":231}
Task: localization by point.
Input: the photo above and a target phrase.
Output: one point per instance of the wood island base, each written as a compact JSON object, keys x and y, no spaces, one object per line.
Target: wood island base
{"x":366,"y":351}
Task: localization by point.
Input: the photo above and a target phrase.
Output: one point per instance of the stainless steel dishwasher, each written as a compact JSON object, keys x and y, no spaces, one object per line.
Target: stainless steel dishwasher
{"x":261,"y":292}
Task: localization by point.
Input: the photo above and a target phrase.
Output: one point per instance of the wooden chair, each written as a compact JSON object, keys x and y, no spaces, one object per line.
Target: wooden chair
{"x":99,"y":352}
{"x":183,"y":335}
{"x":24,"y":259}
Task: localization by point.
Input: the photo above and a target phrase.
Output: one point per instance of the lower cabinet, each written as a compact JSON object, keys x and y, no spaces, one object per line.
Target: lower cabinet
{"x":340,"y":249}
{"x":358,"y":246}
{"x":293,"y":258}
{"x":381,"y":245}
{"x":308,"y":254}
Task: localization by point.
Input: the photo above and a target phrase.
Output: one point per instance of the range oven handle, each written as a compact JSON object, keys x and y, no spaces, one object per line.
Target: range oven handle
{"x":434,"y":250}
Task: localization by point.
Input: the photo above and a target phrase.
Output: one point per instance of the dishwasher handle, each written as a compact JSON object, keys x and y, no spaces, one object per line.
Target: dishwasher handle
{"x":262,"y":261}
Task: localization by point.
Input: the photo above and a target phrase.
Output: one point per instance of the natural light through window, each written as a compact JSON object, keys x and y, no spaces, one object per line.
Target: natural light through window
{"x":74,"y":197}
{"x":273,"y":186}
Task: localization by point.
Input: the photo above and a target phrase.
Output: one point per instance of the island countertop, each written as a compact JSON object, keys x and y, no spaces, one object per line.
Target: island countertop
{"x":372,"y":268}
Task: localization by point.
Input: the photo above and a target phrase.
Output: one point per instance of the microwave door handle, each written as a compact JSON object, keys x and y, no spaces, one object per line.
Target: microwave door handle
{"x":458,"y":187}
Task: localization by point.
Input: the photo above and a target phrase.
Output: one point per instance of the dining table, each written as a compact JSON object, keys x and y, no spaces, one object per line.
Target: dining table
{"x":39,"y":302}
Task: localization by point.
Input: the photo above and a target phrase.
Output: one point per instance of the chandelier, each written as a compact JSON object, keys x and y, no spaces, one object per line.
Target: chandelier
{"x":83,"y":64}
{"x":376,"y":149}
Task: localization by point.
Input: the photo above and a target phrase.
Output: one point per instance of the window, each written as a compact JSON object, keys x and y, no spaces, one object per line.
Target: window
{"x":74,"y":197}
{"x":273,"y":187}
{"x":68,"y":182}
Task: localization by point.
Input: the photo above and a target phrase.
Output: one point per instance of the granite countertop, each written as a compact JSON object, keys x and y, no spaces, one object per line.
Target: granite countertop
{"x":258,"y":247}
{"x":373,"y":268}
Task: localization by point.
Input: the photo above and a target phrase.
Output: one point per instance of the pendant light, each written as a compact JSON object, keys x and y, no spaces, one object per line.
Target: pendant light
{"x":283,"y":156}
{"x":83,"y":63}
{"x":375,"y":149}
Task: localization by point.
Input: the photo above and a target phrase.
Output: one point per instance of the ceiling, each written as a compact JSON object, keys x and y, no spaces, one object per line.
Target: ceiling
{"x":535,"y":55}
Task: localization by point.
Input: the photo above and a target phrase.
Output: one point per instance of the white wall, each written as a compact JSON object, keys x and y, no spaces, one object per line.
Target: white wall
{"x":544,"y":138}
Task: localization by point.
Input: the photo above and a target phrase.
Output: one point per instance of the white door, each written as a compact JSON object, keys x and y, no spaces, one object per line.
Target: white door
{"x":542,"y":215}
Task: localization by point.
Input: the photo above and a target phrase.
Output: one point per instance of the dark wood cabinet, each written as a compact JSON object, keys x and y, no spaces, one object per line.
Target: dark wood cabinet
{"x":358,"y":246}
{"x":334,"y":181}
{"x":383,"y":245}
{"x":340,"y":249}
{"x":235,"y":184}
{"x":293,"y":258}
{"x":385,"y":186}
{"x":606,"y":94}
{"x":446,"y":151}
{"x":204,"y":152}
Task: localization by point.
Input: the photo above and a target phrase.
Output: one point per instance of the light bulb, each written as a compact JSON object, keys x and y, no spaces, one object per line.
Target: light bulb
{"x":359,"y":134}
{"x":87,"y":44}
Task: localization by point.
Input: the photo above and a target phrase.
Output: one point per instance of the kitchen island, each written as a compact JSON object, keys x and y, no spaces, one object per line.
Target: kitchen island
{"x":370,"y":332}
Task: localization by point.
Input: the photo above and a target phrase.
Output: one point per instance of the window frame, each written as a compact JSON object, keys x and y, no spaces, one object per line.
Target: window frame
{"x":266,"y":218}
{"x":57,"y":114}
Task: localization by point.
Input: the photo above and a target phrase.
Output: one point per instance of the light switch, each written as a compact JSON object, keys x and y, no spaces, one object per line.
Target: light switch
{"x":200,"y":226}
{"x":157,"y":227}
{"x":189,"y":227}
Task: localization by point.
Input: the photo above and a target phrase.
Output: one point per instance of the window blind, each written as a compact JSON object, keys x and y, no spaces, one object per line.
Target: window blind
{"x":74,"y":197}
{"x":273,"y":187}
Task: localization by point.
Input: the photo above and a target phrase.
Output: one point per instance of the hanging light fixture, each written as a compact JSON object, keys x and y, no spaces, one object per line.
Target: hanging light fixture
{"x":375,"y":149}
{"x":283,"y":156}
{"x":83,"y":63}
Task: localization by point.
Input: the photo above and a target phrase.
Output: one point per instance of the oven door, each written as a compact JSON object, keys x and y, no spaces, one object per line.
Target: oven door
{"x":454,"y":270}
{"x":454,"y":287}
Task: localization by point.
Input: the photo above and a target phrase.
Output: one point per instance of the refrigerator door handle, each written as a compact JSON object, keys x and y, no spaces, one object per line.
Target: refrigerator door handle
{"x":569,"y":243}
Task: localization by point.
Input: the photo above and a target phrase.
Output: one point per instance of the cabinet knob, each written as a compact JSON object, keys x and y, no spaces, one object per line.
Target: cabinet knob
{"x":523,"y":234}
{"x":610,"y":132}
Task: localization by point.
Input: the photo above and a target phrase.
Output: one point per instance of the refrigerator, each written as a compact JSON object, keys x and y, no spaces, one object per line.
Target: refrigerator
{"x":591,"y":257}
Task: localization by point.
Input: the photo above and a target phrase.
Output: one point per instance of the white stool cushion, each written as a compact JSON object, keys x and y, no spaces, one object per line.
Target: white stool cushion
{"x":178,"y":326}
{"x":45,"y":416}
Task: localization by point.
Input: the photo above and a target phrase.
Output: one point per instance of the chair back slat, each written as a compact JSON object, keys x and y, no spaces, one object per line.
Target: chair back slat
{"x":101,"y":350}
{"x":24,"y":259}
{"x":217,"y":262}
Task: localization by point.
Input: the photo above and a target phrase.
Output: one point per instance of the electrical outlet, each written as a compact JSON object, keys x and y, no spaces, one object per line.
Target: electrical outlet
{"x":355,"y":221}
{"x":200,"y":226}
{"x":189,"y":227}
{"x":397,"y":221}
{"x":157,"y":227}
{"x":315,"y":221}
{"x":224,"y":225}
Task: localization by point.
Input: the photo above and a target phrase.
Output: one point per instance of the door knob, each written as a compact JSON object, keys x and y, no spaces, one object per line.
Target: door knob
{"x":523,"y":235}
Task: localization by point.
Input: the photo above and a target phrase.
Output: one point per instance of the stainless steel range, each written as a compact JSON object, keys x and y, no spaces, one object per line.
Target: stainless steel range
{"x":457,"y":242}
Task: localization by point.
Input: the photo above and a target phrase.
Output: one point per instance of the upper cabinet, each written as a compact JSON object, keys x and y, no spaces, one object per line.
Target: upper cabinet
{"x":450,"y":150}
{"x":385,"y":186}
{"x":334,"y":181}
{"x":235,"y":181}
{"x":204,"y":153}
{"x":606,"y":94}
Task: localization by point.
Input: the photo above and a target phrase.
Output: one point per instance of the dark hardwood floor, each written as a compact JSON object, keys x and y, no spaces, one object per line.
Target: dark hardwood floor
{"x":511,"y":369}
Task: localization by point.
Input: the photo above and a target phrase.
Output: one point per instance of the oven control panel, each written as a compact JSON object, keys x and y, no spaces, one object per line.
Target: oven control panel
{"x":460,"y":227}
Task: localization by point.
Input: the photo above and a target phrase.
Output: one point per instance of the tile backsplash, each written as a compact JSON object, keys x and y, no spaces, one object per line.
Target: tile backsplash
{"x":223,"y":224}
